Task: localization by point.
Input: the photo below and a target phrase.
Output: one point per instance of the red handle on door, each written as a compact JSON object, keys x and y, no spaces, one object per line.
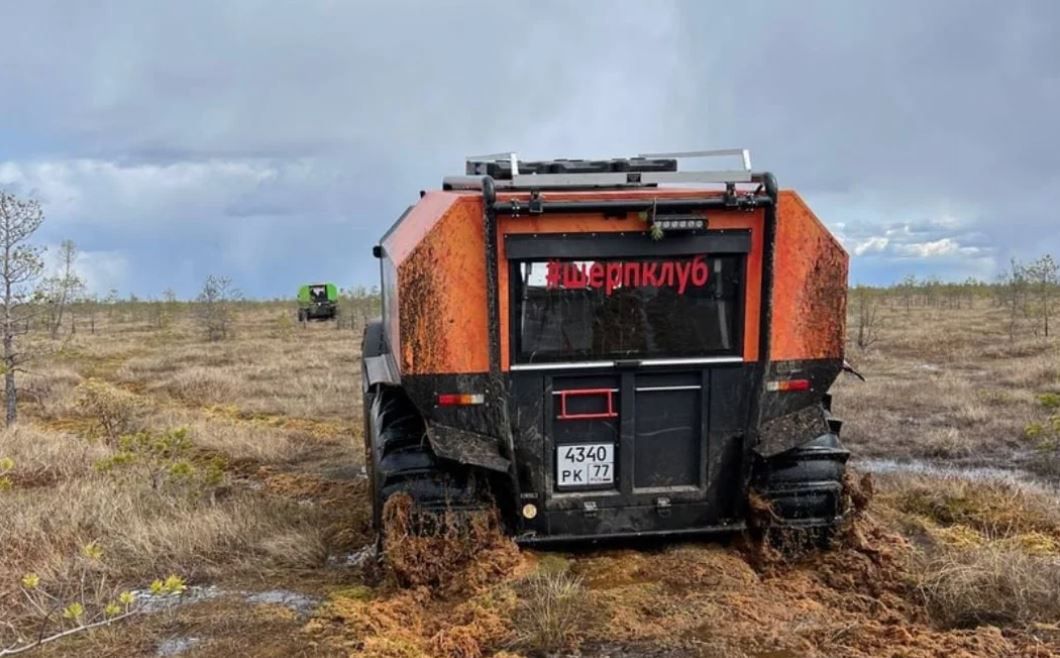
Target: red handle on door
{"x":608,"y":393}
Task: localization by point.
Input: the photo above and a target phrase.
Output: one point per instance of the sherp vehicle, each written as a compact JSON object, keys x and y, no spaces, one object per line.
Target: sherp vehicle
{"x":608,"y":348}
{"x":318,"y":301}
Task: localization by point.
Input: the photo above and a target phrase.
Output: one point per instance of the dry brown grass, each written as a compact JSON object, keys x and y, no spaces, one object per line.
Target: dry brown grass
{"x":988,"y":584}
{"x":43,"y":458}
{"x":72,"y":486}
{"x":947,"y":384}
{"x":996,"y":508}
{"x":200,"y":386}
{"x":144,"y":532}
{"x":278,"y":404}
{"x":553,"y":611}
{"x":48,"y":392}
{"x":312,"y":373}
{"x":988,"y":550}
{"x":240,"y":441}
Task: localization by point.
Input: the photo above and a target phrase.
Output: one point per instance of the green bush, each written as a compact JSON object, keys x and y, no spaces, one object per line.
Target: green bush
{"x":1050,"y":400}
{"x":169,"y":459}
{"x":1045,"y":435}
{"x":112,"y":410}
{"x":6,"y":466}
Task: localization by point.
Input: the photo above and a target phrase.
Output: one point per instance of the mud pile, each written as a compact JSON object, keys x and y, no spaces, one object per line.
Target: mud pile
{"x":457,"y":553}
{"x":862,"y":598}
{"x":443,"y":592}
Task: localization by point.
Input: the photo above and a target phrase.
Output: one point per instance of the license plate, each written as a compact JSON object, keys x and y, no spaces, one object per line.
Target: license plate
{"x":585,"y":464}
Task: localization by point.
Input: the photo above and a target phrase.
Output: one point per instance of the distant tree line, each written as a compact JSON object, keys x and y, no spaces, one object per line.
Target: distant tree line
{"x":1027,"y":292}
{"x":60,"y":304}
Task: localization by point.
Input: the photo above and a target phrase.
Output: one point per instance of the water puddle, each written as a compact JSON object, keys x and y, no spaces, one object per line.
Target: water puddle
{"x":298,"y":603}
{"x":175,"y":646}
{"x":301,"y":604}
{"x":150,"y":602}
{"x":1016,"y":477}
{"x":355,"y":560}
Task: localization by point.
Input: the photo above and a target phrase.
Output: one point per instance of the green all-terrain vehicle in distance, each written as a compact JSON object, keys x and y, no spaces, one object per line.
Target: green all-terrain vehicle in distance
{"x":318,"y":301}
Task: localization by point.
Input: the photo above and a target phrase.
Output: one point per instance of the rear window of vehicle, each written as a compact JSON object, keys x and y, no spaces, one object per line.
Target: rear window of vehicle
{"x":601,"y":309}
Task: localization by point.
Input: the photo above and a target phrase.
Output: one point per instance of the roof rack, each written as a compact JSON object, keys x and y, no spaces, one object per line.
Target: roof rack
{"x":645,"y":170}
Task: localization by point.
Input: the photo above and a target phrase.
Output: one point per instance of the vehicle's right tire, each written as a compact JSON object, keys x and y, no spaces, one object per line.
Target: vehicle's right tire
{"x":803,"y":487}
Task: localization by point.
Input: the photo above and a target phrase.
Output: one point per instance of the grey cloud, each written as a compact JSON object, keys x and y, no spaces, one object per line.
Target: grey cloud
{"x":275,"y":120}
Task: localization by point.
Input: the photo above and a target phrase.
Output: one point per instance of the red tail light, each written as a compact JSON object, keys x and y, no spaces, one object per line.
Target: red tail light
{"x":460,"y":399}
{"x":788,"y":385}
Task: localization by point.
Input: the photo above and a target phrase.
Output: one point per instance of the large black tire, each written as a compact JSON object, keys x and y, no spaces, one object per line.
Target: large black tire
{"x":400,"y":460}
{"x":804,"y":485}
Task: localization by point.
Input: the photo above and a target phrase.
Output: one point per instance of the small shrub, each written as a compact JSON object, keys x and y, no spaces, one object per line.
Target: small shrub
{"x":994,"y":508}
{"x":82,"y":603}
{"x":214,"y":307}
{"x":168,"y":461}
{"x":6,"y":466}
{"x":112,"y":410}
{"x":967,"y":587}
{"x":1050,"y":401}
{"x":1045,"y":435}
{"x":553,"y":607}
{"x":284,"y":325}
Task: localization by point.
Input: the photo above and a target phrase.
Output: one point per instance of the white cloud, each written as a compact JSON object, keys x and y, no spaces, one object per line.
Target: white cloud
{"x":162,"y":137}
{"x":936,"y":248}
{"x":942,"y":247}
{"x":108,"y":193}
{"x":900,"y":242}
{"x":263,"y":221}
{"x":104,"y":270}
{"x":874,"y":244}
{"x":98,"y":270}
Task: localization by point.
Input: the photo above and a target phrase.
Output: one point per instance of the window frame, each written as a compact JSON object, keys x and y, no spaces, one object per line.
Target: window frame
{"x":626,"y":246}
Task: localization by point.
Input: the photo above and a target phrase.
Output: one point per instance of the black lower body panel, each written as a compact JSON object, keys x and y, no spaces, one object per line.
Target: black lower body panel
{"x":630,"y":522}
{"x":630,"y":452}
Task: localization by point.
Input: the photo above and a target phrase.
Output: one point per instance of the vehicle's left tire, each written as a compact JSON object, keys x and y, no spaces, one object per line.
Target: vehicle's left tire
{"x":401,"y":461}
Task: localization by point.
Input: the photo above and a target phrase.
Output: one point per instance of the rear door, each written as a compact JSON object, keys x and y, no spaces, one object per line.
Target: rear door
{"x":627,"y":335}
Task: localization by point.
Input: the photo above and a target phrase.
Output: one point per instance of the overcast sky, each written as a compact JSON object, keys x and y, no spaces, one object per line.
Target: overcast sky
{"x":274,"y":142}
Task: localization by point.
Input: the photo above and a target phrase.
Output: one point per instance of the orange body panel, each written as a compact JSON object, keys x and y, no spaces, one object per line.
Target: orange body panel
{"x":809,"y":285}
{"x":440,"y":310}
{"x":437,"y":307}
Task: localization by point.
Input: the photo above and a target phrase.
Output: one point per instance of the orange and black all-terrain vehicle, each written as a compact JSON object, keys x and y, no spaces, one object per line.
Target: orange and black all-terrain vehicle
{"x":608,"y":348}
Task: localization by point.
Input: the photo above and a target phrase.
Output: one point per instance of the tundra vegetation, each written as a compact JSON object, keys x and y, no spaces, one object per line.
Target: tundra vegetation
{"x":168,"y":485}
